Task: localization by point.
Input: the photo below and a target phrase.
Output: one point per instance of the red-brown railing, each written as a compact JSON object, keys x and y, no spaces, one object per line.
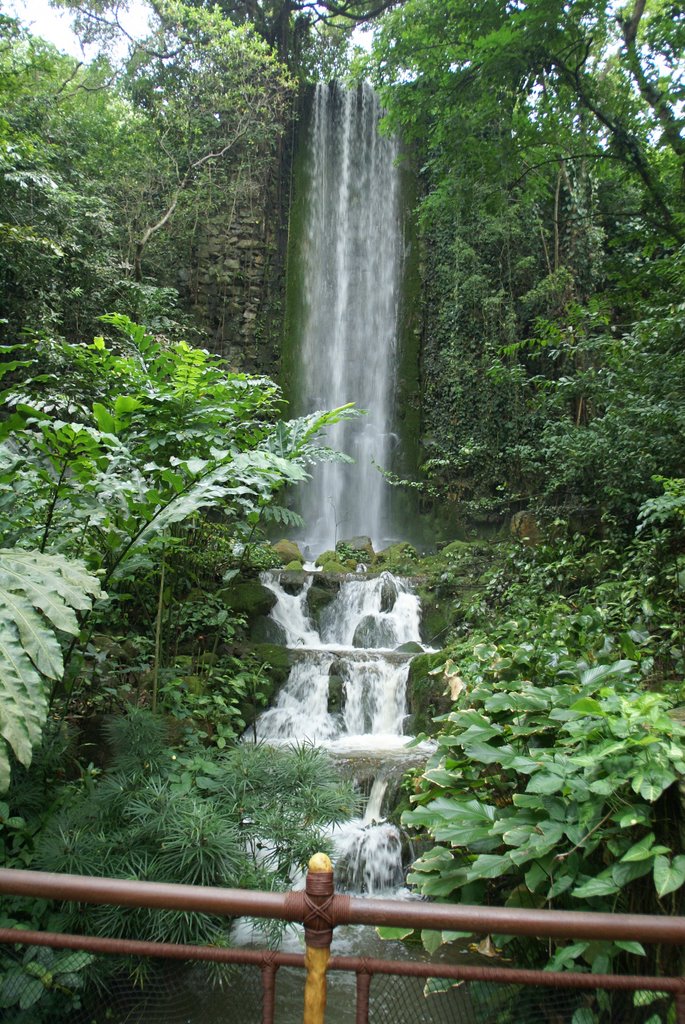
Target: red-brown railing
{"x":321,"y":910}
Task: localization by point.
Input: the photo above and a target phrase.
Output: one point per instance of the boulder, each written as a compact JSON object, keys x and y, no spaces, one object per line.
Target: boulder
{"x":264,"y":630}
{"x":456,"y":547}
{"x":373,"y":631}
{"x":410,"y":647}
{"x":426,"y":695}
{"x":525,"y":528}
{"x":251,"y":598}
{"x":292,"y":580}
{"x":319,"y":597}
{"x":362,"y":547}
{"x":336,"y":687}
{"x":278,"y":659}
{"x":288,"y":551}
{"x":388,"y":593}
{"x":399,"y":557}
{"x":334,"y":566}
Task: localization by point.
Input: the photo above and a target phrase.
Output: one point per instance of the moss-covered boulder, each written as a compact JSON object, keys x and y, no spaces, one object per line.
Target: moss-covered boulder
{"x":293,"y":566}
{"x":410,"y":647}
{"x":399,"y":558}
{"x":320,"y":595}
{"x":271,"y":665}
{"x":358,"y":549}
{"x":457,"y":547}
{"x":334,"y":566}
{"x":279,"y":658}
{"x":437,"y":615}
{"x":288,"y":551}
{"x":426,"y":693}
{"x":251,"y":598}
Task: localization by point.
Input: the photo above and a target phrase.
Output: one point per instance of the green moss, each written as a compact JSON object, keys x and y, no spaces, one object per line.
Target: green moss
{"x":288,"y":552}
{"x":400,"y":558}
{"x":251,"y":598}
{"x":333,"y":565}
{"x":425,"y":693}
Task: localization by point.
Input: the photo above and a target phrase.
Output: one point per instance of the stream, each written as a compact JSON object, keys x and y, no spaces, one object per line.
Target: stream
{"x":347,"y":693}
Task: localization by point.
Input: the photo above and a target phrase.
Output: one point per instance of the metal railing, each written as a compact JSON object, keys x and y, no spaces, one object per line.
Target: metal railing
{"x":320,"y":910}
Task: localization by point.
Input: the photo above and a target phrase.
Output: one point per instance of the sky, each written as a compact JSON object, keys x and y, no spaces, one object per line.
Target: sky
{"x":55,"y":25}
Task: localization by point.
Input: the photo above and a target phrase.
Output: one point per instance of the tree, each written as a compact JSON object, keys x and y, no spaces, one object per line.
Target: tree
{"x":550,"y":143}
{"x":210,"y":94}
{"x":538,"y":67}
{"x":289,"y":27}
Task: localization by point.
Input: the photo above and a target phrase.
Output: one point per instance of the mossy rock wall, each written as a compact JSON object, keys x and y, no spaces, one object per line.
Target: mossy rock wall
{"x":425,"y":693}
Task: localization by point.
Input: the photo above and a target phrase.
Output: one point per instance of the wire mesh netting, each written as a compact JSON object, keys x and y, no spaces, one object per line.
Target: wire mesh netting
{"x":403,"y":1001}
{"x":40,"y":985}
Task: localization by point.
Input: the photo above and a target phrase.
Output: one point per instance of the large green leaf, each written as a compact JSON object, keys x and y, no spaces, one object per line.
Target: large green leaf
{"x":39,"y":594}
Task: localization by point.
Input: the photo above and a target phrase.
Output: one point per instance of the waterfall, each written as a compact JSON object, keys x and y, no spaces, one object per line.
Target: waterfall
{"x":349,"y":270}
{"x":346,"y":692}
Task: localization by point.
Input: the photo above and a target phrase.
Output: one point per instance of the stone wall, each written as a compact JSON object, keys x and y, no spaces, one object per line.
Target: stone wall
{"x":233,"y":278}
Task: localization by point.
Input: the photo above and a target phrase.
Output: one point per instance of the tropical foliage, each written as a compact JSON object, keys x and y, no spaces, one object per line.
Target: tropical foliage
{"x":137,"y":472}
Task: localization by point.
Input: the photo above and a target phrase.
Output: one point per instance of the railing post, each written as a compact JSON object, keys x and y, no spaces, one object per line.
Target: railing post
{"x":318,"y":932}
{"x":680,"y":1008}
{"x":363,"y":988}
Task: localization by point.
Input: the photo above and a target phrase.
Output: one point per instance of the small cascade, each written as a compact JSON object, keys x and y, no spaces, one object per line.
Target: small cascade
{"x":290,"y":612}
{"x":347,"y":692}
{"x":369,"y":848}
{"x":379,"y":612}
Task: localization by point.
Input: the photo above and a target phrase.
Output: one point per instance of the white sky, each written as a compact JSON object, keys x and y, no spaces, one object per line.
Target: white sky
{"x":55,"y":24}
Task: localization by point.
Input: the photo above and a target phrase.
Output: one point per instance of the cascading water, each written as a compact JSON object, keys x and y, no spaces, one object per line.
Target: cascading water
{"x":349,"y":271}
{"x":346,"y":692}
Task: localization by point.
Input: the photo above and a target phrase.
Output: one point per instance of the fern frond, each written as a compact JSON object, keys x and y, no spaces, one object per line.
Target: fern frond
{"x":39,"y":594}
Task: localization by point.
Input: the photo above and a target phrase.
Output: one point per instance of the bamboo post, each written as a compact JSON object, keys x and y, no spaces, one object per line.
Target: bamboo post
{"x":318,"y":932}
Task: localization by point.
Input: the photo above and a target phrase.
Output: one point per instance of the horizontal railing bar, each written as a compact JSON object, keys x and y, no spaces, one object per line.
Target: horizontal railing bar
{"x":344,"y":909}
{"x":141,"y":947}
{"x":262,"y":958}
{"x":517,"y":921}
{"x":122,"y":892}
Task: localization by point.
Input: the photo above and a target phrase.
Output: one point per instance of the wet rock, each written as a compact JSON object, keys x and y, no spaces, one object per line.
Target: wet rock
{"x":319,"y":597}
{"x":363,"y":548}
{"x":388,"y":594}
{"x":265,"y":631}
{"x":336,"y":688}
{"x":373,"y":631}
{"x":292,"y":580}
{"x":411,"y":647}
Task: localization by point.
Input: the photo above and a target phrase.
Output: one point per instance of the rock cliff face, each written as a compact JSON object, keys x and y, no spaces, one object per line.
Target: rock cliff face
{"x":233,"y":277}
